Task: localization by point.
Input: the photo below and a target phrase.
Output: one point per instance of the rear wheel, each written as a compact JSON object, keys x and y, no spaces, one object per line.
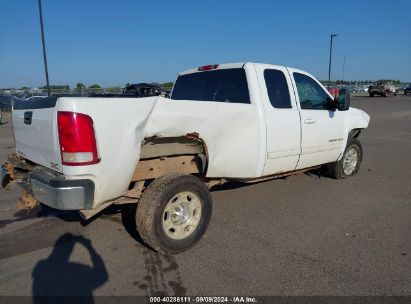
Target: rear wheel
{"x":349,"y":163}
{"x":173,"y":213}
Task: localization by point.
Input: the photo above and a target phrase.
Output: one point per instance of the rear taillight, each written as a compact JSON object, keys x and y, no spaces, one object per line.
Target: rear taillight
{"x":77,"y":139}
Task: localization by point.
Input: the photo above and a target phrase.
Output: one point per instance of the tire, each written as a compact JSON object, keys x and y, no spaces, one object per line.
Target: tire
{"x":371,"y":95}
{"x":174,"y":213}
{"x":339,"y":170}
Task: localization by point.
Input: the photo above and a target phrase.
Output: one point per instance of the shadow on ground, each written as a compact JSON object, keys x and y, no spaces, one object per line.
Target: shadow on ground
{"x":57,"y":276}
{"x":43,"y":211}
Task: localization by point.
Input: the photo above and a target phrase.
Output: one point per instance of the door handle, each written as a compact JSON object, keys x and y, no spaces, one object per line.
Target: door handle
{"x":309,"y":121}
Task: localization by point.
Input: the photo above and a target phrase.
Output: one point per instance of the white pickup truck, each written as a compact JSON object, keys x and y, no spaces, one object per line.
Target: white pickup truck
{"x":244,"y":121}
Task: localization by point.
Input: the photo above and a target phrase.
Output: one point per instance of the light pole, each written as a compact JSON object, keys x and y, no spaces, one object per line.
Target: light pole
{"x":44,"y":48}
{"x":329,"y":65}
{"x":343,"y":77}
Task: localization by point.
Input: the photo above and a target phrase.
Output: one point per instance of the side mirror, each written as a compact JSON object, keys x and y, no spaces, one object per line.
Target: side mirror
{"x":332,"y":104}
{"x":344,"y":100}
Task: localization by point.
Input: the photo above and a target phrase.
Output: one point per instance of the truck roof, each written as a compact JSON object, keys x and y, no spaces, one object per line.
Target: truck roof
{"x":224,"y":66}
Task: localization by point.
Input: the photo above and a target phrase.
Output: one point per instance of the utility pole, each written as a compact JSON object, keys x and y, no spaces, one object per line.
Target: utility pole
{"x":44,"y":48}
{"x":343,"y":68}
{"x":329,"y":65}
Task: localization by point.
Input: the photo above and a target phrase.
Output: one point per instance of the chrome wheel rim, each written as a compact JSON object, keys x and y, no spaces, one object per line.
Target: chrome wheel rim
{"x":350,"y":161}
{"x":181,"y":215}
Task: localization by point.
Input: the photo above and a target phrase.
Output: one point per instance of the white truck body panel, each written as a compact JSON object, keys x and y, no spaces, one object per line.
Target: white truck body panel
{"x":235,"y":132}
{"x":39,"y":140}
{"x":322,"y":131}
{"x":283,"y":134}
{"x":242,"y":140}
{"x":119,"y":134}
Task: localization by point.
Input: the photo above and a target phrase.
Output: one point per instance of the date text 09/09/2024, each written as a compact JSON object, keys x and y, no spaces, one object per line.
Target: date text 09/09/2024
{"x":237,"y":299}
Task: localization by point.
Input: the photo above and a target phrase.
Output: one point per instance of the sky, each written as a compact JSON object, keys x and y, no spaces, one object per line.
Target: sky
{"x":114,"y":42}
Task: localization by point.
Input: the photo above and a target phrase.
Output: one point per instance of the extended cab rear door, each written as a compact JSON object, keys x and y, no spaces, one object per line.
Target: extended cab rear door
{"x":282,"y":119}
{"x":322,"y":130}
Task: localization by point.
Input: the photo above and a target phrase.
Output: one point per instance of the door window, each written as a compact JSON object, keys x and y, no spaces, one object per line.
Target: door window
{"x":277,"y":89}
{"x":311,"y":95}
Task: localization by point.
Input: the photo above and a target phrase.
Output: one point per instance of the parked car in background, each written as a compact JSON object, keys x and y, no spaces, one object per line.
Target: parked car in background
{"x":382,"y":89}
{"x":407,"y":89}
{"x":69,"y":95}
{"x":137,"y":91}
{"x":143,"y":90}
{"x":7,"y":101}
{"x":6,"y":104}
{"x":36,"y":97}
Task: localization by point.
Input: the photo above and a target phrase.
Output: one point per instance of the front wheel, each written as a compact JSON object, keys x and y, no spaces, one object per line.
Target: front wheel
{"x":349,"y":163}
{"x":173,"y":213}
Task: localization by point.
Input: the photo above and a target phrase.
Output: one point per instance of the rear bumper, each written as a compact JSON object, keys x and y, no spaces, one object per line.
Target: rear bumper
{"x":52,"y":189}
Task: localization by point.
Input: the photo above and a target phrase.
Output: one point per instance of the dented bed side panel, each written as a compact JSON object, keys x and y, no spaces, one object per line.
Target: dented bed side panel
{"x":234,"y":135}
{"x":230,"y":132}
{"x":120,"y":129}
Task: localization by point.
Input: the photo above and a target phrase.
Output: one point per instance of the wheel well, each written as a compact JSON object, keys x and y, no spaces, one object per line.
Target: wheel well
{"x":164,"y":155}
{"x":354,"y":133}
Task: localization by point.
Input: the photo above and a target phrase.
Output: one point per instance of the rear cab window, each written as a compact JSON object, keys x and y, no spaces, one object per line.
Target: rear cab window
{"x":224,"y":85}
{"x":277,"y":89}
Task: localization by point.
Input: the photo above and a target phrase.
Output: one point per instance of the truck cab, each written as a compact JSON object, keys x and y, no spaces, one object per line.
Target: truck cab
{"x":300,"y":126}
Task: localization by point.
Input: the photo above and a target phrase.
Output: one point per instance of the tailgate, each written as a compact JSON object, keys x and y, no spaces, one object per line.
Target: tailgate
{"x":35,"y":132}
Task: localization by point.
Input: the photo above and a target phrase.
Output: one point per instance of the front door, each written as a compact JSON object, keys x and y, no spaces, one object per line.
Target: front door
{"x":322,"y":130}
